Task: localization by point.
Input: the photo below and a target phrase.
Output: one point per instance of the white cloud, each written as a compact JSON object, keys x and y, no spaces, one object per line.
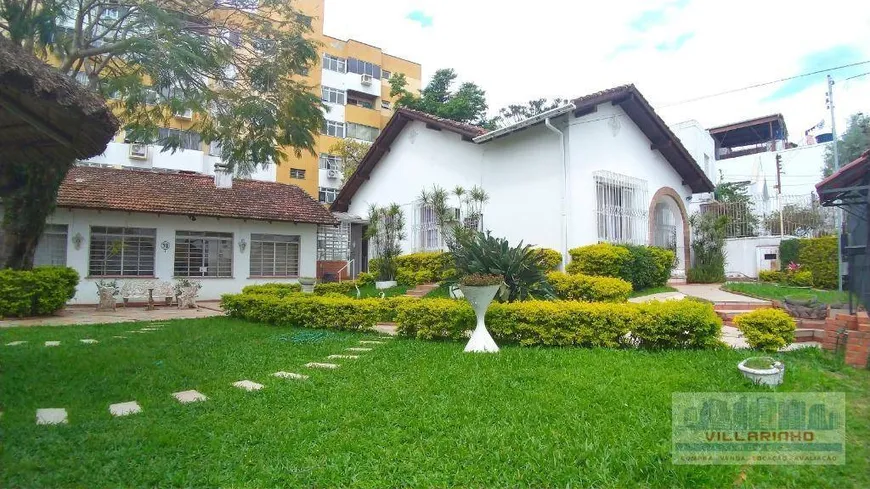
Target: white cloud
{"x":549,"y":48}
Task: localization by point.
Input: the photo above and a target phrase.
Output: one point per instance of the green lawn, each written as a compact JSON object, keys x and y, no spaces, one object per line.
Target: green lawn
{"x":369,"y":290}
{"x":442,"y":292}
{"x":779,"y":292}
{"x":409,"y":413}
{"x":651,"y":291}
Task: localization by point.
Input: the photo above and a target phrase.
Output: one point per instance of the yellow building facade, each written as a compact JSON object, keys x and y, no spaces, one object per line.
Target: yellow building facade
{"x":352,"y":79}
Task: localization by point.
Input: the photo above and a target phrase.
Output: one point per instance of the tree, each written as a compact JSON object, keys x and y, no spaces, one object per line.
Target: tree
{"x":467,"y":104}
{"x":351,"y":152}
{"x":386,"y":230}
{"x":230,"y":65}
{"x":852,"y":143}
{"x":515,"y":113}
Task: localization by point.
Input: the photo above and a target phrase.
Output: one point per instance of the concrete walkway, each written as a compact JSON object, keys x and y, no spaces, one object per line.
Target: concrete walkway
{"x":711,"y":292}
{"x":72,"y":315}
{"x":662,"y":296}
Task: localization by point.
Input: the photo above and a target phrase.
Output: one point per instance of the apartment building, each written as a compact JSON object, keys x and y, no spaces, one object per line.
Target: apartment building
{"x":352,"y":79}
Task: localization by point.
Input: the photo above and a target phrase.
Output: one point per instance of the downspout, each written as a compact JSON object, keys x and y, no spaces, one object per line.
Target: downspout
{"x":564,"y":191}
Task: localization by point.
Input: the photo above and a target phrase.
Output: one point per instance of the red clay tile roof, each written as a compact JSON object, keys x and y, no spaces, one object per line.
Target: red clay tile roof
{"x":188,"y":195}
{"x":450,"y":125}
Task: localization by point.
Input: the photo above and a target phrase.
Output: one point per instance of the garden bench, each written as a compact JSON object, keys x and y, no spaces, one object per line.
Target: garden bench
{"x":139,"y":289}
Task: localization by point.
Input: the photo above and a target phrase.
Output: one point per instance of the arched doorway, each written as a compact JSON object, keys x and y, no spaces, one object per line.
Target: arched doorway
{"x":669,"y":226}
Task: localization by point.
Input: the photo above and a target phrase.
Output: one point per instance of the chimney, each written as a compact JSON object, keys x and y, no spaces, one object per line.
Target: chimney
{"x":223,"y":177}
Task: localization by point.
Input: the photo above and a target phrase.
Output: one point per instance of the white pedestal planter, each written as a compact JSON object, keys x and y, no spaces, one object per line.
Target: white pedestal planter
{"x":768,"y":376}
{"x":480,"y":297}
{"x":386,"y":284}
{"x":307,"y":284}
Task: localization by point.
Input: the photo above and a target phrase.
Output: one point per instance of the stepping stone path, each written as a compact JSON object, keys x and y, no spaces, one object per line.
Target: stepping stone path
{"x":15,"y":343}
{"x":150,"y":329}
{"x":248,"y":385}
{"x":370,"y":342}
{"x":322,"y":365}
{"x":186,"y":397}
{"x":358,"y":349}
{"x":124,"y":408}
{"x":89,"y":341}
{"x":338,"y":357}
{"x":289,"y":375}
{"x":120,"y":337}
{"x":52,"y":343}
{"x":51,"y":416}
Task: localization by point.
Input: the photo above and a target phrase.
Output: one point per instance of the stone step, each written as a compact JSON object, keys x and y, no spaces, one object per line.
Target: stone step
{"x":804,"y":334}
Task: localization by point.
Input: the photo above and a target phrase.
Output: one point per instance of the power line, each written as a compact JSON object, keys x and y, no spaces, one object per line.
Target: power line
{"x":856,"y":76}
{"x":764,"y":84}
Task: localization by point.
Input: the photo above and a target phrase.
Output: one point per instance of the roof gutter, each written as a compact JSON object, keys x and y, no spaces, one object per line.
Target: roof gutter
{"x":531,"y":121}
{"x":564,"y":109}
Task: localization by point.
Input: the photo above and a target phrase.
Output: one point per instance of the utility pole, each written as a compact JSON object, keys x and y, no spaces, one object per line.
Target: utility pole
{"x":779,"y":193}
{"x":839,"y":213}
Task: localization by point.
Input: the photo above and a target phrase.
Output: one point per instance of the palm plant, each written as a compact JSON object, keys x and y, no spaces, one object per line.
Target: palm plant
{"x":522,"y":267}
{"x":386,"y":231}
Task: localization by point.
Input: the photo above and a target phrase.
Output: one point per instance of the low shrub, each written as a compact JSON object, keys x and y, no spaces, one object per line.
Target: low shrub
{"x":429,"y":266}
{"x":390,"y":306}
{"x":819,"y":256}
{"x":38,"y":292}
{"x":342,"y":288}
{"x":766,"y":329}
{"x":365,"y":278}
{"x":578,"y":287}
{"x":305,"y":310}
{"x":562,"y":323}
{"x":802,"y":278}
{"x":411,"y":278}
{"x":677,"y":324}
{"x":602,"y":260}
{"x":705,"y":274}
{"x":435,"y":319}
{"x":771,"y":276}
{"x":551,"y":260}
{"x":277,"y":289}
{"x":789,"y":250}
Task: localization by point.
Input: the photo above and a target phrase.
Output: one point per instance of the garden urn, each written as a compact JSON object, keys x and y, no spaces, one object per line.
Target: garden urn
{"x":480,"y":297}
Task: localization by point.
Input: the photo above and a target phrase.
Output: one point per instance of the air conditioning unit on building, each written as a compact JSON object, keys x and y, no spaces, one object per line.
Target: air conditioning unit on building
{"x":138,"y":151}
{"x":187,"y":114}
{"x":332,"y":174}
{"x":366,"y":80}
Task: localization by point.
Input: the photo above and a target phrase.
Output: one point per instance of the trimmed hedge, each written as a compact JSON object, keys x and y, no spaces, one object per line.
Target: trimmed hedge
{"x":771,"y":276}
{"x":789,"y":250}
{"x":38,"y":292}
{"x":819,"y":256}
{"x":342,"y":288}
{"x":305,"y":310}
{"x":799,"y":279}
{"x":669,"y":324}
{"x":643,"y":266}
{"x":277,"y":289}
{"x":766,"y":329}
{"x":552,"y":259}
{"x":429,"y":266}
{"x":579,"y":287}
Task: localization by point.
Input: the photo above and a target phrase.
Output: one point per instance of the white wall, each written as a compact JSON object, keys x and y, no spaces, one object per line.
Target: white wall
{"x":79,"y":221}
{"x":741,"y":257}
{"x":699,"y":144}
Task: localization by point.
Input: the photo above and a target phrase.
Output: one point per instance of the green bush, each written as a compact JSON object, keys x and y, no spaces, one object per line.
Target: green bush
{"x":766,"y":329}
{"x":429,"y":266}
{"x":410,"y":278}
{"x":277,"y":289}
{"x":802,"y":278}
{"x":342,"y":288}
{"x":37,"y":292}
{"x":390,"y":306}
{"x":602,"y":260}
{"x":677,"y":324}
{"x":788,"y":253}
{"x":305,"y":310}
{"x":771,"y":276}
{"x":579,"y":287}
{"x":551,"y":260}
{"x":819,"y":256}
{"x":708,"y":248}
{"x":435,"y":319}
{"x":365,"y":278}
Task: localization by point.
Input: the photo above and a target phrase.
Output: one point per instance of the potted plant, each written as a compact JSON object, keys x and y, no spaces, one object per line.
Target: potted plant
{"x":307,"y":284}
{"x":480,"y":289}
{"x":386,"y":231}
{"x":762,"y":370}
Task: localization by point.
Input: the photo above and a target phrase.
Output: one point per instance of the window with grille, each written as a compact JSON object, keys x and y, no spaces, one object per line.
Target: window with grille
{"x":274,"y":255}
{"x":121,"y":252}
{"x":332,"y":95}
{"x":188,"y":139}
{"x":362,"y":132}
{"x":203,"y":254}
{"x":620,"y":209}
{"x":51,"y":249}
{"x":360,"y":102}
{"x":333,"y":242}
{"x":332,"y":128}
{"x":333,"y":63}
{"x":327,"y":195}
{"x":297,"y":173}
{"x":386,"y":74}
{"x":429,"y":235}
{"x":330,"y":162}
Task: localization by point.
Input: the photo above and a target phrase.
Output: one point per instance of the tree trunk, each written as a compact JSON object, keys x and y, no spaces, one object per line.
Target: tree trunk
{"x":29,"y":197}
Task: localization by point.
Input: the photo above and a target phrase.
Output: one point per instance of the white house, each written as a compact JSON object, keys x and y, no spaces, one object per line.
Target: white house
{"x":604,"y":167}
{"x":136,"y":225}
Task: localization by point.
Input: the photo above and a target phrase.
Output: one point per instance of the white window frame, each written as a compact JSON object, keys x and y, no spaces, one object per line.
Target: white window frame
{"x":135,"y":252}
{"x":324,"y":194}
{"x":297,"y":173}
{"x":621,"y":208}
{"x":428,"y":235}
{"x":333,"y":128}
{"x":333,"y":242}
{"x":52,"y":246}
{"x":275,"y":255}
{"x":334,"y":63}
{"x":330,"y":162}
{"x":333,"y":95}
{"x":362,"y":132}
{"x":214,"y":249}
{"x":385,"y":104}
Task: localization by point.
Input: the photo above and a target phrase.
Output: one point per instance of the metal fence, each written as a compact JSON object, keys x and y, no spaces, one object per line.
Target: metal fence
{"x":788,"y":215}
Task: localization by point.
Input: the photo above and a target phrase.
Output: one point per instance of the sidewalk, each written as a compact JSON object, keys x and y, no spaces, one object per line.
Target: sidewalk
{"x":72,"y":315}
{"x":712,"y":293}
